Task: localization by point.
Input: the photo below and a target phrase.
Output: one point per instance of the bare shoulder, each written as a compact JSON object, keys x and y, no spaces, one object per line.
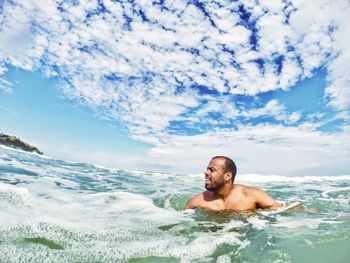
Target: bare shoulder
{"x":243,"y":189}
{"x":257,"y":192}
{"x":248,"y":190}
{"x":195,"y":201}
{"x":262,"y":199}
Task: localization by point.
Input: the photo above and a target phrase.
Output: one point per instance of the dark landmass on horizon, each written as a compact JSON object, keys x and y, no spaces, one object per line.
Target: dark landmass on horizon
{"x":16,"y":143}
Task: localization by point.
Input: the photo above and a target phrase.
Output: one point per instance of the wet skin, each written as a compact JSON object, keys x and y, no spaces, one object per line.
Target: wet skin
{"x":222,"y":194}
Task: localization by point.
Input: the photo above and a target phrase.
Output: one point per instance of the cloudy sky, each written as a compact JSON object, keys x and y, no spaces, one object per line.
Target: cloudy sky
{"x":164,"y":85}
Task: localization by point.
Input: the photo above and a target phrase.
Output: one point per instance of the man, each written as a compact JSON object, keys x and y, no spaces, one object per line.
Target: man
{"x":223,"y":194}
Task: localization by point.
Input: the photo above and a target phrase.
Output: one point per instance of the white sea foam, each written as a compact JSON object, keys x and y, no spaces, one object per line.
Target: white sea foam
{"x":132,"y":204}
{"x":257,"y":178}
{"x":16,"y":195}
{"x":25,"y":152}
{"x":110,"y":215}
{"x":285,"y":207}
{"x":205,"y":244}
{"x":287,"y":222}
{"x":234,"y":224}
{"x":257,"y":222}
{"x":223,"y":259}
{"x":337,"y":190}
{"x":3,"y":154}
{"x":251,"y":177}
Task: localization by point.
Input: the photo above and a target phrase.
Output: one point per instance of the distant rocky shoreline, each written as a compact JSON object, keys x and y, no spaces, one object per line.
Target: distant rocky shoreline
{"x":14,"y":142}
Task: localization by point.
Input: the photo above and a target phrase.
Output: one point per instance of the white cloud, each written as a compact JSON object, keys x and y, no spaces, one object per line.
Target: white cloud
{"x":267,"y":149}
{"x":7,"y":110}
{"x":150,"y":48}
{"x":338,"y":68}
{"x":141,"y":64}
{"x":5,"y":85}
{"x":273,"y":33}
{"x":272,"y":6}
{"x":74,"y":153}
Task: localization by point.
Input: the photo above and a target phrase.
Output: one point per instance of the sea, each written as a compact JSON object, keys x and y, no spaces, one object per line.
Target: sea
{"x":57,"y":211}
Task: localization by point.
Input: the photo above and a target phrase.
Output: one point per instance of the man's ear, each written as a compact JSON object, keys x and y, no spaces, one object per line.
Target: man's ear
{"x":228,"y":176}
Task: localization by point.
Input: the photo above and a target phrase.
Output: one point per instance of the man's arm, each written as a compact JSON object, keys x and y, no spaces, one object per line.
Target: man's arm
{"x":193,"y":202}
{"x":189,"y":204}
{"x":263,"y":200}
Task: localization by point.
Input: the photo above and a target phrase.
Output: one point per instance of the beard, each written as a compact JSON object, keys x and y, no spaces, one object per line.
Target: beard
{"x":214,"y":186}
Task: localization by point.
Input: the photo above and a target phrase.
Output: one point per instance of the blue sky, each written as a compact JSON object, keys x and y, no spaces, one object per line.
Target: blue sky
{"x":166,"y":85}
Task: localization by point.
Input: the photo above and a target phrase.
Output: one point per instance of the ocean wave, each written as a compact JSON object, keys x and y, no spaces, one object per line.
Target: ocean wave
{"x":98,"y":214}
{"x":342,"y":192}
{"x":258,"y":178}
{"x":15,"y":195}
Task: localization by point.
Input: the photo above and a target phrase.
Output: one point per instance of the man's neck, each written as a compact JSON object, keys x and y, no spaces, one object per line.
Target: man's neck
{"x":225,"y":191}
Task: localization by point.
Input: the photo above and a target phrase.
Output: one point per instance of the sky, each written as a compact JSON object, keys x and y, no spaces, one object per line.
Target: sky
{"x":166,"y":85}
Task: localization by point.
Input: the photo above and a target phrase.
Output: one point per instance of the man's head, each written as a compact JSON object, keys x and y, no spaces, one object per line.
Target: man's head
{"x":221,"y":170}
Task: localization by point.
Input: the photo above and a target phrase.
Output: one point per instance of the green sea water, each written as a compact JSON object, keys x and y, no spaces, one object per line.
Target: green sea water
{"x":56,"y":211}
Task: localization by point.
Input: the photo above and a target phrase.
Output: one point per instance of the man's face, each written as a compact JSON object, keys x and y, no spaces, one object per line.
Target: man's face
{"x":214,"y":175}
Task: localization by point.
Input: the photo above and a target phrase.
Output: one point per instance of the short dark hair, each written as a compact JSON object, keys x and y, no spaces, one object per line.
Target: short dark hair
{"x":230,"y":165}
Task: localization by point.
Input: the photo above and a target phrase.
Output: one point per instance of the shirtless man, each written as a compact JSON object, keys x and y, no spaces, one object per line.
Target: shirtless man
{"x":223,"y":194}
